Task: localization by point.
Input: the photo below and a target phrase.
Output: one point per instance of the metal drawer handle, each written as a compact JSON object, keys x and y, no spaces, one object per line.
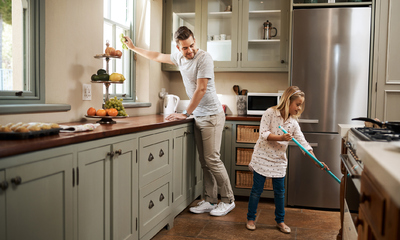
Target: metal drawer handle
{"x":161,"y":197}
{"x":161,"y":153}
{"x":16,"y":180}
{"x":151,"y":158}
{"x":118,"y":152}
{"x":151,"y":204}
{"x":4,"y":185}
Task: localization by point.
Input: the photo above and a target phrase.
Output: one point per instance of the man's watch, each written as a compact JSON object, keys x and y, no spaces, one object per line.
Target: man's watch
{"x":186,"y":113}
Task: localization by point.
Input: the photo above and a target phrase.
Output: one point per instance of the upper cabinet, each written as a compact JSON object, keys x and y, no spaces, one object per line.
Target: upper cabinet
{"x":232,"y":31}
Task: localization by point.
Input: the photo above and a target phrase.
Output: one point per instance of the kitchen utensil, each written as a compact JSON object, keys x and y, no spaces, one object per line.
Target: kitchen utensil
{"x":170,"y":103}
{"x":312,"y":156}
{"x":244,"y":92}
{"x":267,"y":30}
{"x":236,"y":89}
{"x":394,"y":126}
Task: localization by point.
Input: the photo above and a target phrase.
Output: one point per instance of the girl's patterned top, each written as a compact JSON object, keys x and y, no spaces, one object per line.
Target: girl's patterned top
{"x":269,"y":157}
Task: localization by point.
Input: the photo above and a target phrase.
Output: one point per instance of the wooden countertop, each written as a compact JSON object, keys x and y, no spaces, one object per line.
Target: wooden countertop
{"x":123,"y":126}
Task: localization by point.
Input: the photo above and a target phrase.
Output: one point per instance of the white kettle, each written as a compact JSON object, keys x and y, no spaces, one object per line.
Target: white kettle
{"x":170,"y":103}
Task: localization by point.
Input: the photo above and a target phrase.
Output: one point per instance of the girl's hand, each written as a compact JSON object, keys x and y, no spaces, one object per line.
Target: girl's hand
{"x":286,"y":137}
{"x":324,"y":167}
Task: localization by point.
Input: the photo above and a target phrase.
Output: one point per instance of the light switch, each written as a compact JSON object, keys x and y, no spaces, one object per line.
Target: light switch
{"x":87,"y":92}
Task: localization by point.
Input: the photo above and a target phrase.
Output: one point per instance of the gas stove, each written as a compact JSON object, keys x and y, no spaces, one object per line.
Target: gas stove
{"x":351,"y":160}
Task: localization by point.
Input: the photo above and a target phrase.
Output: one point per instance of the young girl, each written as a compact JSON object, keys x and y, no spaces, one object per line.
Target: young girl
{"x":269,"y":156}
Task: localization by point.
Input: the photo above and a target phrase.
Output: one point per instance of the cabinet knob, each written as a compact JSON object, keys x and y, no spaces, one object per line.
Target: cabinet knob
{"x":16,"y":180}
{"x":161,"y":153}
{"x":282,"y":61}
{"x":151,"y":157}
{"x":118,"y":152}
{"x":151,"y":204}
{"x":111,"y":154}
{"x":186,"y":133}
{"x":226,"y":127}
{"x":161,"y":197}
{"x":365,"y":198}
{"x":358,"y":221}
{"x":4,"y":185}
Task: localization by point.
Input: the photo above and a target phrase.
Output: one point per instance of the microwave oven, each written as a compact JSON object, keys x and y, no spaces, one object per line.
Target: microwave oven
{"x":257,"y":103}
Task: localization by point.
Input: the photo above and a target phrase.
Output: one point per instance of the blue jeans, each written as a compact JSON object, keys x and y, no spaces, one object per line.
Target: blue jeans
{"x":279,"y":197}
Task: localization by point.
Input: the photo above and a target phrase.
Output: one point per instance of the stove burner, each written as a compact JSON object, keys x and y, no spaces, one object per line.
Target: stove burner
{"x":377,"y":134}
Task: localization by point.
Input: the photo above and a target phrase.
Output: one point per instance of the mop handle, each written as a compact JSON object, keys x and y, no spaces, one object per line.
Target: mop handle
{"x":312,"y":156}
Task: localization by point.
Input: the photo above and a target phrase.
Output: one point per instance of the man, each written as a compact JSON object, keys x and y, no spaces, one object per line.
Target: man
{"x":197,"y":70}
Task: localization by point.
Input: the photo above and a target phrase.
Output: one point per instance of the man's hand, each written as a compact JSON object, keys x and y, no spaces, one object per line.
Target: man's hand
{"x":175,"y":117}
{"x":128,"y":42}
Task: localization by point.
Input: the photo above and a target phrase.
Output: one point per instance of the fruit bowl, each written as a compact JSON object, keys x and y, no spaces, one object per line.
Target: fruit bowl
{"x":106,"y":119}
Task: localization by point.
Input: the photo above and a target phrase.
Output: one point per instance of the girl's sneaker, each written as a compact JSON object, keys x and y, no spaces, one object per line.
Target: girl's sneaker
{"x":203,"y":207}
{"x":222,"y":209}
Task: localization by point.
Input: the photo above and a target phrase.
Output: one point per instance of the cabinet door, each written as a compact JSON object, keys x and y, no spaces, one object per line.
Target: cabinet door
{"x":220,"y":20}
{"x":180,"y":13}
{"x":258,"y":52}
{"x":94,"y":193}
{"x":182,"y":181}
{"x":3,"y":205}
{"x":39,"y":199}
{"x":124,"y":190}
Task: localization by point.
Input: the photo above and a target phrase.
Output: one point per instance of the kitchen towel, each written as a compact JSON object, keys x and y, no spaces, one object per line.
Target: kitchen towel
{"x":79,"y":128}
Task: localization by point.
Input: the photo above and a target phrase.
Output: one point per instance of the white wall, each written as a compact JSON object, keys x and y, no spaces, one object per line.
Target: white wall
{"x":74,"y":34}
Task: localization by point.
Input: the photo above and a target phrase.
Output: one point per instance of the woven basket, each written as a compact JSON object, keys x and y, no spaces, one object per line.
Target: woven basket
{"x":243,"y":156}
{"x":244,"y":179}
{"x":247,"y":134}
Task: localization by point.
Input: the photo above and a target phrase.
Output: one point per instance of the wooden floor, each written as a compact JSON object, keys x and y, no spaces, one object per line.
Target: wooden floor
{"x":305,"y":224}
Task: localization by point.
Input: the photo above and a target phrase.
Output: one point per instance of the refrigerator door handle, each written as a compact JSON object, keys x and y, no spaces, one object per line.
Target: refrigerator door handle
{"x":291,"y":143}
{"x":308,"y":120}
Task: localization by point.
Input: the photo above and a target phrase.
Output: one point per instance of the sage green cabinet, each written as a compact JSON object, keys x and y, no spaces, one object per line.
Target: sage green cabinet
{"x":183,"y":171}
{"x":3,"y":188}
{"x":232,"y":32}
{"x":38,"y":203}
{"x":107,"y":190}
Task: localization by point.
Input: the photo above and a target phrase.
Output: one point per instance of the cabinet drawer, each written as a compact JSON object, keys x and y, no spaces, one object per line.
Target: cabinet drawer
{"x":373,"y":203}
{"x":154,"y":157}
{"x":154,"y":203}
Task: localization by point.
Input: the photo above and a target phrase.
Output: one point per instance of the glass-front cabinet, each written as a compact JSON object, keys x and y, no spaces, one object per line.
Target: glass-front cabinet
{"x":220,"y":25}
{"x":265,"y":34}
{"x":180,"y":13}
{"x":240,"y":35}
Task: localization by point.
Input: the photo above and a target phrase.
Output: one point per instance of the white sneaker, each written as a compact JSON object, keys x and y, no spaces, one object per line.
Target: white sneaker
{"x":223,"y":209}
{"x":203,"y":207}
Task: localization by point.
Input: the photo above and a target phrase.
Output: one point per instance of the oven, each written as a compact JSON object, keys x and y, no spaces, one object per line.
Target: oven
{"x":352,"y":167}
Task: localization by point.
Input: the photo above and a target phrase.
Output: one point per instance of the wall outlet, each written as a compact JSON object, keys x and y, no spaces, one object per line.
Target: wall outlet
{"x":87,"y":92}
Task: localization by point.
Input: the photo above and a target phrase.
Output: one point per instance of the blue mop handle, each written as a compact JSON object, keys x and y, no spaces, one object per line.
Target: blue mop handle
{"x":312,"y":156}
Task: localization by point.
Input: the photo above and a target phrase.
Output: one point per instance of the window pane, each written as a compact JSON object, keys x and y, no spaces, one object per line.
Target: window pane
{"x":11,"y":32}
{"x":119,"y":11}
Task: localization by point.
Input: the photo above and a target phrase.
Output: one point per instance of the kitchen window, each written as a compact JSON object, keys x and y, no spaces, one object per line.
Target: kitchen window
{"x":118,"y":19}
{"x":22,"y":52}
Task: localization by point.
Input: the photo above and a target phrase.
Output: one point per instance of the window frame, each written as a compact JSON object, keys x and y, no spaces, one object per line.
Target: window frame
{"x":132,"y":62}
{"x":35,"y":59}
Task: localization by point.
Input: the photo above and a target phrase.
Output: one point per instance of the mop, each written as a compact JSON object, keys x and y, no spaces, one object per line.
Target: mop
{"x":312,"y":156}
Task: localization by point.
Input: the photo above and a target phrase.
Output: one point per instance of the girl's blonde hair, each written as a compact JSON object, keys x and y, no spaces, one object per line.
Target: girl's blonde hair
{"x":290,"y":94}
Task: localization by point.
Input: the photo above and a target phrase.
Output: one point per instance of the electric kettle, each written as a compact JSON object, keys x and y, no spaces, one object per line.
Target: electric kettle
{"x":170,"y":103}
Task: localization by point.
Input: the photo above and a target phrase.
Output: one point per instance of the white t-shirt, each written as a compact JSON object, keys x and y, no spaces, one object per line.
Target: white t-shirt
{"x":269,"y":157}
{"x":201,"y":66}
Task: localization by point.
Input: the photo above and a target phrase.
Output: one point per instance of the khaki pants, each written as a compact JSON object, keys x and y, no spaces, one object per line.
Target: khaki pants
{"x":208,"y":136}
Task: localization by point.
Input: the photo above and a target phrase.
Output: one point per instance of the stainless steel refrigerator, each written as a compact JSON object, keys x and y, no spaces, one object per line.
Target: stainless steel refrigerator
{"x":330,"y":63}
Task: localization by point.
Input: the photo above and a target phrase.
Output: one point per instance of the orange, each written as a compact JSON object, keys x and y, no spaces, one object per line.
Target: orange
{"x":112,"y":112}
{"x":101,"y":112}
{"x":91,"y":111}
